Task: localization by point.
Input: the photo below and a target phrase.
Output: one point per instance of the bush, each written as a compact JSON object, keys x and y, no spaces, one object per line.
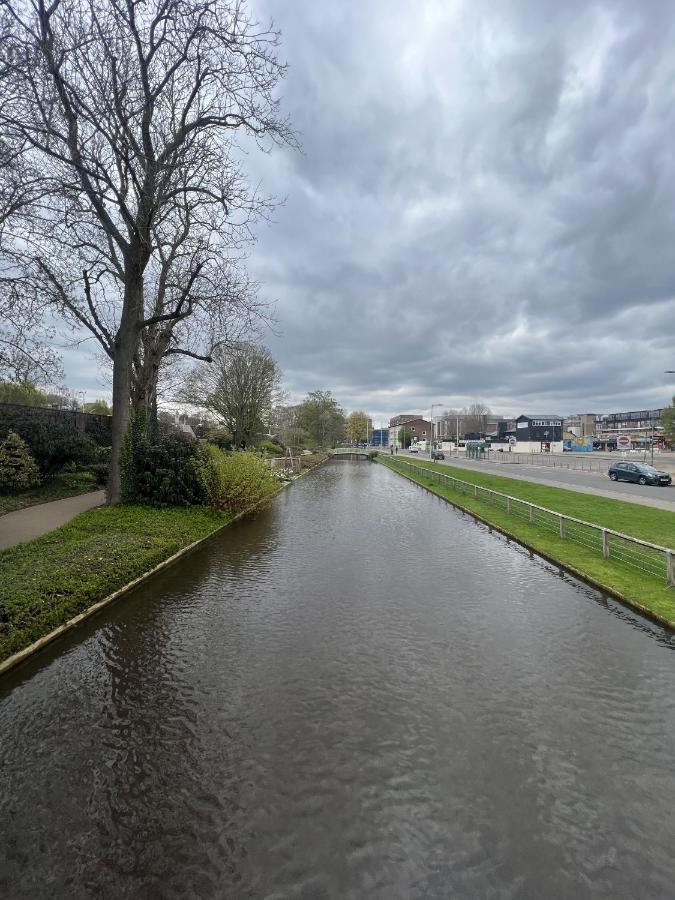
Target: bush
{"x":170,"y":471}
{"x":237,"y":481}
{"x":100,"y":464}
{"x":272,"y":448}
{"x":54,"y":443}
{"x":18,"y":470}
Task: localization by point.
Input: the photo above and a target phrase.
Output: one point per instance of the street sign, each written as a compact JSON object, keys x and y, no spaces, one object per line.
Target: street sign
{"x":513,"y":441}
{"x":623,"y":442}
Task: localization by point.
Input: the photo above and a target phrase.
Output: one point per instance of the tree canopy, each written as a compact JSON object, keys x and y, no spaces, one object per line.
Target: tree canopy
{"x":322,"y":418}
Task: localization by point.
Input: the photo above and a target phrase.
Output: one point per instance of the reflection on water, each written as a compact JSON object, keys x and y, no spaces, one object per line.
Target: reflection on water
{"x":359,"y":693}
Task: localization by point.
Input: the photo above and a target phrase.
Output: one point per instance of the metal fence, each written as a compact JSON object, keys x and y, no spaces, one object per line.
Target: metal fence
{"x":552,"y":461}
{"x":641,"y":555}
{"x":587,"y":463}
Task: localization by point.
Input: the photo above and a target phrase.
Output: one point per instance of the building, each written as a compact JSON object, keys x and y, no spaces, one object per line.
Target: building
{"x":467,"y":426}
{"x":379,"y":437}
{"x":642,"y":426}
{"x":581,"y":424}
{"x":533,"y":433}
{"x":408,"y":429}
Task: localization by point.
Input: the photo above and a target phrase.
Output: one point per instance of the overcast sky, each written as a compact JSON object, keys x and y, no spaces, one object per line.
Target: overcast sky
{"x":484,"y":207}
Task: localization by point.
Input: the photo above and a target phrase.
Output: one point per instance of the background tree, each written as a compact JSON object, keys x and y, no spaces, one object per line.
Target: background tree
{"x":25,"y":394}
{"x":285,"y":424}
{"x":404,"y":437}
{"x":120,"y":115}
{"x":668,"y":420}
{"x":239,"y":388}
{"x":356,"y":427}
{"x":322,"y":418}
{"x":475,"y":418}
{"x":98,"y":407}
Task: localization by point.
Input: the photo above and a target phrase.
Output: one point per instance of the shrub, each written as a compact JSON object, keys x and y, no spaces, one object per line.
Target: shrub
{"x":237,"y":481}
{"x":170,"y":471}
{"x":54,"y":443}
{"x":18,"y":470}
{"x":272,"y":448}
{"x":100,"y":464}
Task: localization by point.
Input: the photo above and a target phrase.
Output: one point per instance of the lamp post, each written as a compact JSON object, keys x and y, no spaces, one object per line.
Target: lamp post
{"x":431,"y":417}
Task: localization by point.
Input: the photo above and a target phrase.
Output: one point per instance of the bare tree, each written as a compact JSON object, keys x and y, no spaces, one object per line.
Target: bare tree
{"x":475,"y":418}
{"x":120,"y":114}
{"x":26,"y":353}
{"x":239,"y":387}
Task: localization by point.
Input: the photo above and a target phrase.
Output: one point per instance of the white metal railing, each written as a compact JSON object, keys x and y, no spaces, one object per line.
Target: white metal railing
{"x":638,"y":554}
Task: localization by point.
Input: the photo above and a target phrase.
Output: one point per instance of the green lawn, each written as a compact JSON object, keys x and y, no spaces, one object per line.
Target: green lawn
{"x":643,"y":522}
{"x":45,"y":582}
{"x":67,"y":484}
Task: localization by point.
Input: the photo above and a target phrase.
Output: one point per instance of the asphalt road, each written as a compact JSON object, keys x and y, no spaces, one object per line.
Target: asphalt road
{"x":584,"y":482}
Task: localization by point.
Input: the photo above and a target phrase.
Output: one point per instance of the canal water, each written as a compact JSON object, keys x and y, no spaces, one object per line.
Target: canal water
{"x":361,"y":693}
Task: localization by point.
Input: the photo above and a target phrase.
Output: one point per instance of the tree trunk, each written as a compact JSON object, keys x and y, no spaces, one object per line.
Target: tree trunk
{"x":146,"y":378}
{"x":125,"y":347}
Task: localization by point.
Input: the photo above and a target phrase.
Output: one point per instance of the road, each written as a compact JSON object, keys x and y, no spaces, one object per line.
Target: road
{"x":573,"y":480}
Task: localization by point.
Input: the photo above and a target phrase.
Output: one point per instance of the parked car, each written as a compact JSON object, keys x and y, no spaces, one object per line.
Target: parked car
{"x":640,"y":473}
{"x":414,"y":449}
{"x":437,"y":454}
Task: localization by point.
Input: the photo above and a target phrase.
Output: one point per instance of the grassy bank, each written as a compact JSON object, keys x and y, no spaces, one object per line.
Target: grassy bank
{"x":67,"y":484}
{"x":45,"y":582}
{"x":654,"y":525}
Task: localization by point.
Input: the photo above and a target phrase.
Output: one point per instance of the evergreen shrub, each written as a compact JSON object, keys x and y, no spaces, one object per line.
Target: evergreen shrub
{"x":166,"y":472}
{"x":18,"y":469}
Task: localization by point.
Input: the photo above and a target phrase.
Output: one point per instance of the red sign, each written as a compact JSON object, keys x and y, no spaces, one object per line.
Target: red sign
{"x":623,"y":441}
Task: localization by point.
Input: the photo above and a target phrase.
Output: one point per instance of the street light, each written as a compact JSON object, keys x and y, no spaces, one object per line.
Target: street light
{"x":431,"y":417}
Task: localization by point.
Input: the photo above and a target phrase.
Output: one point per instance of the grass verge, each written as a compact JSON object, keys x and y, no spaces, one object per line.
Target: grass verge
{"x":45,"y":582}
{"x":67,"y":484}
{"x":636,"y":587}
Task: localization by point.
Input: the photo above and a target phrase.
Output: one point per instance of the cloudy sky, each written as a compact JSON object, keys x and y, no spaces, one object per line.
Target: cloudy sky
{"x":483,"y":208}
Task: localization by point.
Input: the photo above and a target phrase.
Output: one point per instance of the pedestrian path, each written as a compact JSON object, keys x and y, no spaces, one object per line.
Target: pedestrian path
{"x":26,"y":524}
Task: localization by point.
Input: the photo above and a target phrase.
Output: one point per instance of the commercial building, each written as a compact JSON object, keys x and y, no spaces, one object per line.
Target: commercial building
{"x":532,"y":433}
{"x":379,"y":437}
{"x":408,"y":429}
{"x":581,"y":424}
{"x":642,"y":426}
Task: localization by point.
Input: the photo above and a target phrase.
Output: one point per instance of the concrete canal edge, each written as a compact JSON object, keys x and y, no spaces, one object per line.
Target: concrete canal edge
{"x":22,"y":655}
{"x":566,"y":567}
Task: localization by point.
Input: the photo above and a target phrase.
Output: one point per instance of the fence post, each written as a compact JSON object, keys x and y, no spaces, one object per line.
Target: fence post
{"x":508,"y":505}
{"x":562,"y":526}
{"x":531,"y":512}
{"x":475,"y":491}
{"x":605,"y":543}
{"x":670,"y":569}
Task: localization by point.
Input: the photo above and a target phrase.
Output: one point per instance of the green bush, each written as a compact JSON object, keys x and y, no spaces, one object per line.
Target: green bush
{"x":237,"y":481}
{"x":272,"y":448}
{"x":54,"y":444}
{"x":170,"y":471}
{"x":18,"y":470}
{"x":100,"y":464}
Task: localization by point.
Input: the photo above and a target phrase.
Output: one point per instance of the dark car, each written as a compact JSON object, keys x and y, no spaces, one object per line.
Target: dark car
{"x":639,"y":473}
{"x":437,"y":454}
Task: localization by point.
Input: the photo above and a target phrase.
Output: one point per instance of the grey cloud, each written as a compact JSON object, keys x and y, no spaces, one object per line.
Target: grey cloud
{"x":483,"y":207}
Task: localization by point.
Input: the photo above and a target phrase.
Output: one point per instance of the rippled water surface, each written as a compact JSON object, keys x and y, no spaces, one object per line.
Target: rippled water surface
{"x":359,"y":694}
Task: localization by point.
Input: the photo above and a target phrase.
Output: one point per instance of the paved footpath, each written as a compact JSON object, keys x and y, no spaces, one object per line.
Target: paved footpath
{"x":26,"y":524}
{"x":583,"y":482}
